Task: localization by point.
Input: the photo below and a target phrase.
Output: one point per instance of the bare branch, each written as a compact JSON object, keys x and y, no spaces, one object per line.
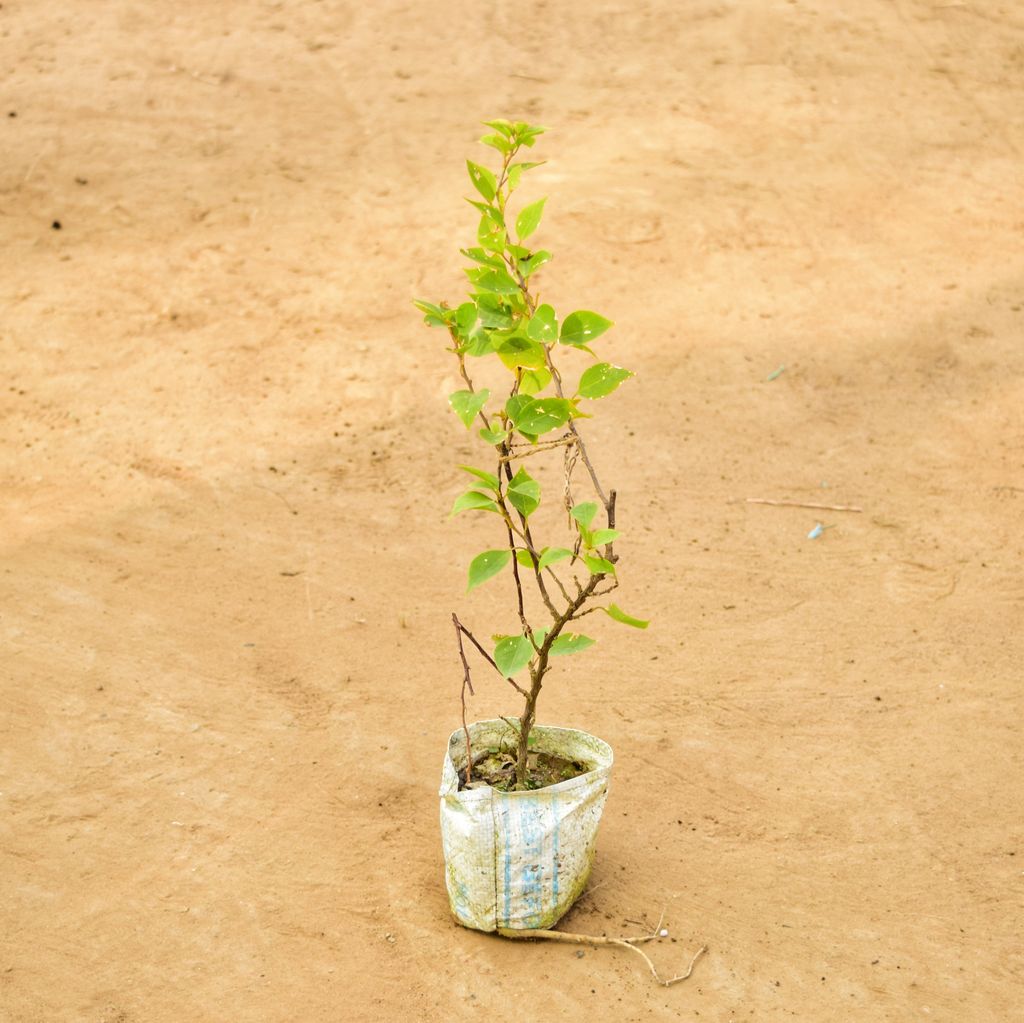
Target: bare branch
{"x":486,"y":656}
{"x":590,"y":939}
{"x":466,"y":684}
{"x":805,"y":504}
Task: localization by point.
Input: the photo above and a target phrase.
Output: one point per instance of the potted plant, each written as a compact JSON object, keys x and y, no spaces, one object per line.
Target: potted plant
{"x":521,"y":801}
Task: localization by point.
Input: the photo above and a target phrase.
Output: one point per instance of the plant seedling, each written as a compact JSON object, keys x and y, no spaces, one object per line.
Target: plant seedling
{"x":535,"y":412}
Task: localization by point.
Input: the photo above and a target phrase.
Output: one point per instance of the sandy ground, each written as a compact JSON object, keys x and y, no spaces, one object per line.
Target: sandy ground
{"x":226,"y":463}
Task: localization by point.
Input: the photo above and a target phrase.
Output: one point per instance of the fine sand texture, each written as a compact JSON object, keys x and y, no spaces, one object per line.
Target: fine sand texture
{"x":227,"y":667}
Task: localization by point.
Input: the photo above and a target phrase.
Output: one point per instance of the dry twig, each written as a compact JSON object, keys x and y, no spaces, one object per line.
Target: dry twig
{"x":804,"y":504}
{"x":590,"y":939}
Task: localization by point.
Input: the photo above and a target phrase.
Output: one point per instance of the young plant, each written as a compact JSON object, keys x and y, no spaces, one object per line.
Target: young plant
{"x":504,"y":323}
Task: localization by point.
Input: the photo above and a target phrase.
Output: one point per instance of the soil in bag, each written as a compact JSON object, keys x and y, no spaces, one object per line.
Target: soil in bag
{"x":497,"y":768}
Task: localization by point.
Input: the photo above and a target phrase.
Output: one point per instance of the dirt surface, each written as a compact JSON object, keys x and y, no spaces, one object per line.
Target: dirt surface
{"x":226,"y":573}
{"x":497,"y":770}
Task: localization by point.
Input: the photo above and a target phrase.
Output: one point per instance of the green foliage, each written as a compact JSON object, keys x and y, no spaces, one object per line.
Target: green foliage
{"x":601,"y":379}
{"x":485,"y":565}
{"x":584,"y":513}
{"x":487,"y":477}
{"x":529,"y":219}
{"x":567,"y":643}
{"x":493,"y":436}
{"x":536,"y":416}
{"x":616,"y":612}
{"x":468,"y":403}
{"x":524,"y":493}
{"x":583,"y":327}
{"x":483,"y":180}
{"x":599,"y":566}
{"x":512,"y":654}
{"x":534,"y":261}
{"x":543,"y":325}
{"x":473,"y":500}
{"x":551,"y":555}
{"x":533,"y":381}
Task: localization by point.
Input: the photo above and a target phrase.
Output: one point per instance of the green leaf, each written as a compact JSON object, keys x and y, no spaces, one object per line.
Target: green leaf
{"x":568,"y":643}
{"x":524,"y":558}
{"x":534,"y":262}
{"x":543,"y":415}
{"x":582,"y":327}
{"x":527,"y":134}
{"x":529,"y":219}
{"x":485,"y":565}
{"x":515,"y":172}
{"x":483,"y":180}
{"x":465,"y":318}
{"x":468,"y":403}
{"x":492,"y":316}
{"x":520,"y":351}
{"x":429,"y":308}
{"x":550,"y":555}
{"x":600,"y":380}
{"x":598,"y":566}
{"x":515,"y":405}
{"x":584,"y":513}
{"x":512,"y":654}
{"x":616,"y":612}
{"x":488,"y":477}
{"x":498,"y":142}
{"x":499,"y":125}
{"x":490,"y":234}
{"x":498,"y":282}
{"x":533,"y":381}
{"x":479,"y":256}
{"x":543,"y":326}
{"x":434,"y":316}
{"x":602,"y":536}
{"x":473,"y":500}
{"x":477,"y":344}
{"x":524,"y":493}
{"x":493,"y":436}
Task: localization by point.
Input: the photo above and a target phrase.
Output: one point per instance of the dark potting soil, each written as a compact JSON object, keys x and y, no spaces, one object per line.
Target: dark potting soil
{"x":497,"y":768}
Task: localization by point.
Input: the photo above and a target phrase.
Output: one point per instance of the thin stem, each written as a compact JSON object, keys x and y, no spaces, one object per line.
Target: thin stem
{"x":558,"y":583}
{"x":539,"y":669}
{"x":528,"y":537}
{"x":467,"y":683}
{"x":486,"y":656}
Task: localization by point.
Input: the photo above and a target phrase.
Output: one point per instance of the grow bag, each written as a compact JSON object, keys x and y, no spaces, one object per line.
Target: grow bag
{"x":521,"y":859}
